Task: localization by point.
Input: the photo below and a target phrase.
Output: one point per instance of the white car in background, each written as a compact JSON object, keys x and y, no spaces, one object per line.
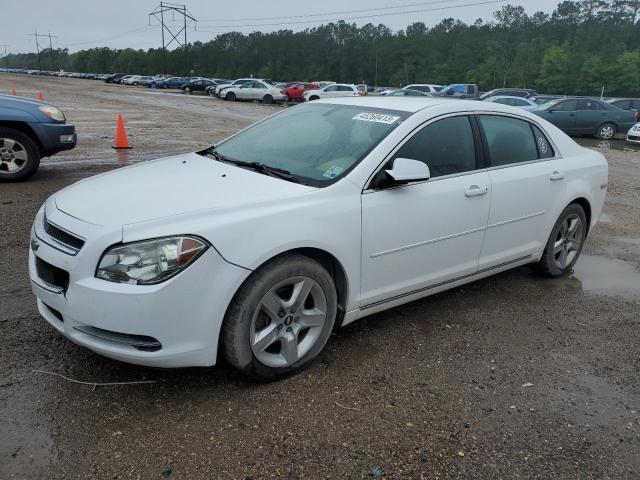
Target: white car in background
{"x":333,"y":90}
{"x":633,"y":135}
{"x":236,"y":83}
{"x":256,"y":90}
{"x":519,"y":102}
{"x":317,"y":216}
{"x":424,"y":87}
{"x":137,"y":80}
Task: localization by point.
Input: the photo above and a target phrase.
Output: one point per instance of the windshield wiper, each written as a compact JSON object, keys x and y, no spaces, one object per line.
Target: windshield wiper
{"x":256,"y":166}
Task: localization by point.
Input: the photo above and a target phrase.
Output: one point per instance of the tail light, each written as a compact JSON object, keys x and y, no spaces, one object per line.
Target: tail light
{"x":360,"y":93}
{"x":635,"y":116}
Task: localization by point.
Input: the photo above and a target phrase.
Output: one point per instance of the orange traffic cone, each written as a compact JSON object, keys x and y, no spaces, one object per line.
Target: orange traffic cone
{"x":40,"y":96}
{"x":121,"y":135}
{"x":14,"y":92}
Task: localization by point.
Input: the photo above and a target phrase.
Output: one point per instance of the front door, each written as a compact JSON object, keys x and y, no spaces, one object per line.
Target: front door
{"x":418,"y":235}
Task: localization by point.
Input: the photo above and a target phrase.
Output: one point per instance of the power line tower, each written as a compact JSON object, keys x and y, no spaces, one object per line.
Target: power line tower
{"x":6,"y":55}
{"x":36,"y":35}
{"x":39,"y":50}
{"x":160,"y":13}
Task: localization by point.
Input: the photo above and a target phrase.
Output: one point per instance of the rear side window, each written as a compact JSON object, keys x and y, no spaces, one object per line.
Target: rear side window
{"x":446,"y":146}
{"x":509,"y":140}
{"x":545,"y":150}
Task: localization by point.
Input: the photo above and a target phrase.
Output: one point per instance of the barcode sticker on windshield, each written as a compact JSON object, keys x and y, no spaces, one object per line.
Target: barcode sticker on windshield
{"x":376,"y":117}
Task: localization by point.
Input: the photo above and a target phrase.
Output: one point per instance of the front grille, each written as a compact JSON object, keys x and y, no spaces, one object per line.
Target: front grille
{"x":51,"y":274}
{"x":61,"y":236}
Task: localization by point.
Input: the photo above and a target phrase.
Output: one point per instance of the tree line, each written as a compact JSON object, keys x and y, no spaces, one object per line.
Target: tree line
{"x":579,"y":48}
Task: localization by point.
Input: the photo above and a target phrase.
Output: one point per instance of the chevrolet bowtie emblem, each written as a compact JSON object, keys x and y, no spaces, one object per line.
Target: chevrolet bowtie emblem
{"x":35,"y":244}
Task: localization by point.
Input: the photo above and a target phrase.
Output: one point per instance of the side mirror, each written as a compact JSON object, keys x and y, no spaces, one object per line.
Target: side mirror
{"x":407,"y":170}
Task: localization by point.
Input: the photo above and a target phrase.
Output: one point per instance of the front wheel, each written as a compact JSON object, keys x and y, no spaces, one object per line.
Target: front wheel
{"x":19,"y":156}
{"x":230,"y":96}
{"x":187,"y":90}
{"x":565,"y":242}
{"x":313,"y":97}
{"x":606,"y":131}
{"x":280,"y":319}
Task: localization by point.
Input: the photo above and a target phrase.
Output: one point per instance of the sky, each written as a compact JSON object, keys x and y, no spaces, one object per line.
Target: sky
{"x":82,"y":24}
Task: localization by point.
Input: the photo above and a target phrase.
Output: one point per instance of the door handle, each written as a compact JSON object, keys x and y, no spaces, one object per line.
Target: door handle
{"x":556,"y":175}
{"x":475,"y":190}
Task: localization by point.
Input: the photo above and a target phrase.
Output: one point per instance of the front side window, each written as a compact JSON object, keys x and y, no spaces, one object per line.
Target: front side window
{"x":445,"y":146}
{"x":566,"y":106}
{"x":317,"y":143}
{"x":332,"y":88}
{"x":509,"y":140}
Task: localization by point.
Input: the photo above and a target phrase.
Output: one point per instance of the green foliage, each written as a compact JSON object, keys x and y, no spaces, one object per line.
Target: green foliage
{"x":579,"y":48}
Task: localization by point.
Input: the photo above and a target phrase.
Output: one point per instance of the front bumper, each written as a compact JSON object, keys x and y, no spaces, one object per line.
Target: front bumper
{"x":55,"y":137}
{"x":633,"y":136}
{"x":181,"y":316}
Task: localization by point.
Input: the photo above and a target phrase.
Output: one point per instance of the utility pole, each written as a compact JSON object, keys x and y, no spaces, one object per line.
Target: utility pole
{"x":159,"y":14}
{"x":6,"y":55}
{"x":36,"y":35}
{"x":53,"y":66}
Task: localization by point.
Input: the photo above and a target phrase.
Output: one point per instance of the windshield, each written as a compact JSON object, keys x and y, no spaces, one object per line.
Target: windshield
{"x":316,"y":143}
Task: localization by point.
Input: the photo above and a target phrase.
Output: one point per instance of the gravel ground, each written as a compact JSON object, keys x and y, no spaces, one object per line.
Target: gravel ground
{"x":514,"y":376}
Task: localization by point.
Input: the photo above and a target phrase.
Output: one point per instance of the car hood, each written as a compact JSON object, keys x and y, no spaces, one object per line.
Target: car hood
{"x":169,"y":186}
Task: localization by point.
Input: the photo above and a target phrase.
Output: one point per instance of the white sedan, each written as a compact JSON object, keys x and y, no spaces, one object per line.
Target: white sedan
{"x":315,"y":217}
{"x":333,"y":90}
{"x":633,"y":135}
{"x":512,"y":101}
{"x":256,"y":90}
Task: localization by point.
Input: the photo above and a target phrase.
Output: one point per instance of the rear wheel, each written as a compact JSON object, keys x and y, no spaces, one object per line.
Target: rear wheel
{"x":267,"y":99}
{"x":19,"y":155}
{"x":230,"y":96}
{"x":565,"y":242}
{"x":606,"y":131}
{"x":280,"y":319}
{"x":187,"y":90}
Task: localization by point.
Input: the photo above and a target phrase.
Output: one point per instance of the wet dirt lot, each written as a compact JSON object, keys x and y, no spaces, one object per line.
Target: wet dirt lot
{"x":514,"y":376}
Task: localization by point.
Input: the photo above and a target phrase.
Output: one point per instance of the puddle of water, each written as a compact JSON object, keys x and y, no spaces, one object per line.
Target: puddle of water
{"x":616,"y":144}
{"x":607,"y":276}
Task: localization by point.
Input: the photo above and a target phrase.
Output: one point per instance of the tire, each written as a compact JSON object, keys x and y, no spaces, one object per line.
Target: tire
{"x":230,"y":96}
{"x":606,"y":131}
{"x":135,"y":84}
{"x":19,"y":155}
{"x":267,"y":100}
{"x":287,"y":345}
{"x":314,"y":97}
{"x":565,"y":242}
{"x":187,"y":90}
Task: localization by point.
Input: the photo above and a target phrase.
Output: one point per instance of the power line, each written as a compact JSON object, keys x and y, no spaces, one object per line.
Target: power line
{"x":306,"y":15}
{"x":358,"y":17}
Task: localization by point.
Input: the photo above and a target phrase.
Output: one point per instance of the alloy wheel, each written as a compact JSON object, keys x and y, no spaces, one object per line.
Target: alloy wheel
{"x":288,"y":321}
{"x":568,"y":241}
{"x":606,"y":132}
{"x":13,"y":156}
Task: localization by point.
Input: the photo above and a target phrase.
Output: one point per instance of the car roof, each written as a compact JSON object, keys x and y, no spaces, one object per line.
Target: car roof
{"x":412,"y":104}
{"x":511,"y":96}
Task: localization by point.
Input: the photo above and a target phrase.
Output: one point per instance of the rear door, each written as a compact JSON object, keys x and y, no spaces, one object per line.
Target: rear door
{"x":590,"y":116}
{"x":527,"y":181}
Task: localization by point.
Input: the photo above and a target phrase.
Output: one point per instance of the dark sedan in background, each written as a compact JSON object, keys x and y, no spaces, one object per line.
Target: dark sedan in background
{"x":199,"y":85}
{"x":587,"y":116}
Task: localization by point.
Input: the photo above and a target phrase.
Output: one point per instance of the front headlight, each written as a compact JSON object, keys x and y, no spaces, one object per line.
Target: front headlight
{"x":52,"y":112}
{"x":149,"y":261}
